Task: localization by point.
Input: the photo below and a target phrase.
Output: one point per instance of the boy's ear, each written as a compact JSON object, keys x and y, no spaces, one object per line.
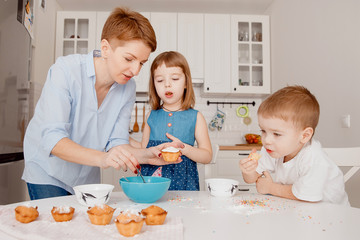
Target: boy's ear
{"x":307,"y":133}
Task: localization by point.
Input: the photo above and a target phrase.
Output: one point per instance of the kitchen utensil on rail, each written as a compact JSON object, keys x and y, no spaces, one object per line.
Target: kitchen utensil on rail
{"x":218,"y":120}
{"x":143,"y":123}
{"x":136,"y":125}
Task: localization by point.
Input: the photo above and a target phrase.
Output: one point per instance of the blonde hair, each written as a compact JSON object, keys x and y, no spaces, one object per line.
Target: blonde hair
{"x":172,"y":59}
{"x":292,"y":103}
{"x":125,"y":25}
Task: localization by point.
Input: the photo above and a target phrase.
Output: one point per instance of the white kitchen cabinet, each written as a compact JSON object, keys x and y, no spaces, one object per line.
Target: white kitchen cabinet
{"x":250,"y":54}
{"x":165,"y":27}
{"x":227,"y":166}
{"x":217,"y":53}
{"x":190,"y":34}
{"x":75,"y":32}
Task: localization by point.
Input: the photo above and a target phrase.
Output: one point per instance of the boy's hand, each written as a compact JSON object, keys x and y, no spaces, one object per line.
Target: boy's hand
{"x":264,"y":183}
{"x":247,"y":165}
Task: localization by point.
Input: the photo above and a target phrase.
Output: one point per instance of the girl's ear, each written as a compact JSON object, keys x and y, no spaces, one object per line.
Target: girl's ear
{"x":307,"y":134}
{"x":105,"y":48}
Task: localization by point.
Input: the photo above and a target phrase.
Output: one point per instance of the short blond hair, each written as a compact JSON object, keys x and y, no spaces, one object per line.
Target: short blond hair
{"x":292,"y":103}
{"x":171,"y":59}
{"x":126,"y":25}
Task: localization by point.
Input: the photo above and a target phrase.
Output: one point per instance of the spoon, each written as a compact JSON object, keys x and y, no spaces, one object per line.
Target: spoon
{"x":140,"y":174}
{"x":136,"y":126}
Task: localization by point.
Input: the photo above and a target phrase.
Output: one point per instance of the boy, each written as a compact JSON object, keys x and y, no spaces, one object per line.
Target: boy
{"x":300,"y":169}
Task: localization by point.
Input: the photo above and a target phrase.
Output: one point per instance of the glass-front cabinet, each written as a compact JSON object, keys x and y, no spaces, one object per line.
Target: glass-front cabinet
{"x":75,"y":32}
{"x":250,"y":54}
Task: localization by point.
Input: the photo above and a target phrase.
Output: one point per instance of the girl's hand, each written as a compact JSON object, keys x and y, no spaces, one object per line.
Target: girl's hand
{"x":176,"y":140}
{"x":118,"y":157}
{"x":264,"y":183}
{"x":247,"y":165}
{"x":155,"y":152}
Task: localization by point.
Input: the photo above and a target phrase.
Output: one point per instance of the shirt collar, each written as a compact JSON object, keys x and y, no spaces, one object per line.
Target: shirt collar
{"x":90,"y":67}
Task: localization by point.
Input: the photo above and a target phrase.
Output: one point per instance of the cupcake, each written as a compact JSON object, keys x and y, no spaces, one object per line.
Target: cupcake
{"x":129,"y":223}
{"x":254,"y":156}
{"x":63,"y":213}
{"x":170,"y":154}
{"x":154,"y":215}
{"x":26,"y":214}
{"x":100,"y":214}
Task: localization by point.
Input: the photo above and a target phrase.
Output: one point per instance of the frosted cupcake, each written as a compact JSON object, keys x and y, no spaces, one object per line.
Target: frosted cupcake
{"x":170,"y":154}
{"x":129,"y":223}
{"x":154,"y":215}
{"x":100,"y":214}
{"x":62,"y":213}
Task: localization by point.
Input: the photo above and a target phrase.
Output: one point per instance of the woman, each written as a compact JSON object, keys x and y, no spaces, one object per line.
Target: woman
{"x":82,"y":118}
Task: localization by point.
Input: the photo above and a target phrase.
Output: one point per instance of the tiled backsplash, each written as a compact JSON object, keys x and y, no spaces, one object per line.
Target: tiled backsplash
{"x":233,"y":130}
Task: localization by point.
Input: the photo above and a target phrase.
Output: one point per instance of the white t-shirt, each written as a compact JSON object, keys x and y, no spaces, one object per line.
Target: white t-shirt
{"x":312,"y":174}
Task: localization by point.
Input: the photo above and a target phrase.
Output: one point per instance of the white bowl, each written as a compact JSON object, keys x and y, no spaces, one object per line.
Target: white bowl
{"x":93,"y":194}
{"x":222,"y":187}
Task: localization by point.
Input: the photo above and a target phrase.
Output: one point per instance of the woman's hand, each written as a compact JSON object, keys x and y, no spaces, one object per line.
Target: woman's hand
{"x":118,"y":157}
{"x":155,"y":152}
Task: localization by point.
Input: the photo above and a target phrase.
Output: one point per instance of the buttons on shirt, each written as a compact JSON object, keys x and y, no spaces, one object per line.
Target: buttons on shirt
{"x":170,"y":114}
{"x":169,"y":124}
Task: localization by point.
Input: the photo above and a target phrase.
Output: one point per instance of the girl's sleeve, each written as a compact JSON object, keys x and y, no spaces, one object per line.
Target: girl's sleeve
{"x":55,"y":106}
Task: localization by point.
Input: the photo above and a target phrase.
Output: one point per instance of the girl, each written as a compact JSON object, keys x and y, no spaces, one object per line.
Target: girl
{"x":173,"y":118}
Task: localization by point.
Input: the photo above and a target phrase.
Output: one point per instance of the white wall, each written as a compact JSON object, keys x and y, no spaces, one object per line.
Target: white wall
{"x":316,"y":44}
{"x":43,"y":47}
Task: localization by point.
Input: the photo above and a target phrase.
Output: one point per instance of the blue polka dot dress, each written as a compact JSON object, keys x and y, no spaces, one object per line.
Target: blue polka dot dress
{"x":184,"y":175}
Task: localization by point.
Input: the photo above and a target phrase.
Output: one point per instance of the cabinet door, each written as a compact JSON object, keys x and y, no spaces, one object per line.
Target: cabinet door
{"x":250,"y":54}
{"x":217,"y":53}
{"x":165,"y":26}
{"x":191,"y":42}
{"x":141,"y":80}
{"x":75,"y":33}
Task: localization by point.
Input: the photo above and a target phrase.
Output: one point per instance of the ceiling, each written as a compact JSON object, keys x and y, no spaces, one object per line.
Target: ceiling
{"x":199,"y":6}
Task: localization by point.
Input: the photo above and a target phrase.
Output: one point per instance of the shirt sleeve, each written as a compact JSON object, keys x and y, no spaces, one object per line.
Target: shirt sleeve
{"x":312,"y":178}
{"x":55,"y":106}
{"x":265,"y":163}
{"x":120,"y":133}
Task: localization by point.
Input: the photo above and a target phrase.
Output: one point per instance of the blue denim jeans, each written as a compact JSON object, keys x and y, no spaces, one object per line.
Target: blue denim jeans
{"x":39,"y":191}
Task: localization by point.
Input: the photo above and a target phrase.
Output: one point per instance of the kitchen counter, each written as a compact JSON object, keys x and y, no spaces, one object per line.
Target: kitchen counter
{"x":241,"y":147}
{"x":196,"y":215}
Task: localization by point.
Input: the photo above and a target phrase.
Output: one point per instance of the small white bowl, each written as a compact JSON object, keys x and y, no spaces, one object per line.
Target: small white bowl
{"x":222,"y":187}
{"x":93,"y":194}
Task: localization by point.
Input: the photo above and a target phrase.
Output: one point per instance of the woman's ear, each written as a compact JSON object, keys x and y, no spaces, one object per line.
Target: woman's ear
{"x":105,"y":48}
{"x":307,"y":134}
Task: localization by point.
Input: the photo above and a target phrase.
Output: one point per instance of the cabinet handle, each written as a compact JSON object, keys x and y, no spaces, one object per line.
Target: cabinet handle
{"x":243,"y":154}
{"x":207,"y":88}
{"x":234,"y":88}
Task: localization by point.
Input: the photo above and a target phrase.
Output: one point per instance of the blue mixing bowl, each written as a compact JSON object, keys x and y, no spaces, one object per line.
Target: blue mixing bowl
{"x":138,"y":191}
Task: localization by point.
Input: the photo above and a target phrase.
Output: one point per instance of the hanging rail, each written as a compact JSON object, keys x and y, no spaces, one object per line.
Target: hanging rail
{"x":231,"y":103}
{"x":141,"y":101}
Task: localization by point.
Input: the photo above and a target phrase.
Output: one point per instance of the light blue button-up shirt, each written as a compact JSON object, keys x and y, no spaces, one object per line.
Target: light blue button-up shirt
{"x":68,"y":108}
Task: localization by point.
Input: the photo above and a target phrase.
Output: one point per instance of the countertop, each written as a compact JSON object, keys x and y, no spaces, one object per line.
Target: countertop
{"x":241,"y":147}
{"x":200,"y":216}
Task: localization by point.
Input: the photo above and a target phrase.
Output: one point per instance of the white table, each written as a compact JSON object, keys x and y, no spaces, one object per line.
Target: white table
{"x":244,"y":216}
